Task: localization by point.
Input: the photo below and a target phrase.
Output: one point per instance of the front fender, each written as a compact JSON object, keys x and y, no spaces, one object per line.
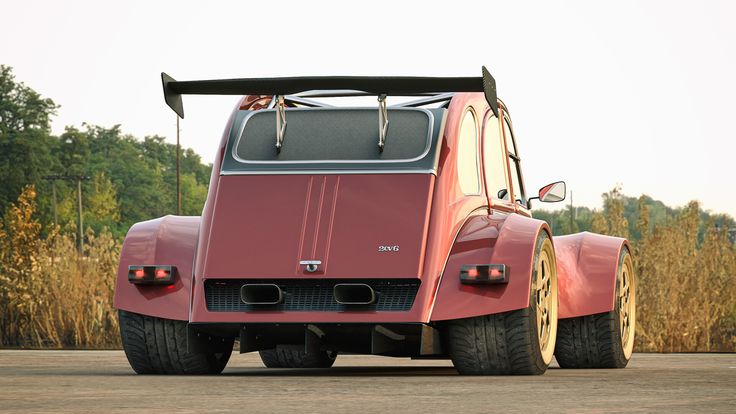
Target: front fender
{"x":169,"y":240}
{"x":587,"y":264}
{"x":499,"y":239}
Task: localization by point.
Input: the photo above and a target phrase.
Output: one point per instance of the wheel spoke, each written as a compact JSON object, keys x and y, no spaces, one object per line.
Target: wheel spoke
{"x":543,"y":287}
{"x":625,"y":306}
{"x":545,"y":275}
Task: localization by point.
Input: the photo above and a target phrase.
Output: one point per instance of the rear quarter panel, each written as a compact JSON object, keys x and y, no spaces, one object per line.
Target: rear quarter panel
{"x":169,"y":240}
{"x":499,"y":238}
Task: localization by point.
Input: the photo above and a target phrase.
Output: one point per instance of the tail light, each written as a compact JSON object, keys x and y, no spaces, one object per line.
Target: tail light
{"x":485,"y":274}
{"x":152,"y":275}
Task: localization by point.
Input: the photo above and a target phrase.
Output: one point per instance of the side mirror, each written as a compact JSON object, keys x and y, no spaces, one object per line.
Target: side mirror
{"x":553,"y":193}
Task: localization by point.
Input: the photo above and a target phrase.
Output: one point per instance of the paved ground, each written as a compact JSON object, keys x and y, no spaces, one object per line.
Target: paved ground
{"x":101,"y":381}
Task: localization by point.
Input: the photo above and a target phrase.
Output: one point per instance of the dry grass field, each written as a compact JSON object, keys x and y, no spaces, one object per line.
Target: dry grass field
{"x":53,"y":297}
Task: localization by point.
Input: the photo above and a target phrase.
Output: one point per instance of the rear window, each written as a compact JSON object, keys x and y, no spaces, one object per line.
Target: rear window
{"x":334,"y":135}
{"x":335,"y":140}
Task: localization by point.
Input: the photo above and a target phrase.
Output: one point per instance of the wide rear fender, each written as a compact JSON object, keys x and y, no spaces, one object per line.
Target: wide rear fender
{"x":497,"y":239}
{"x":169,"y":240}
{"x":587,"y":264}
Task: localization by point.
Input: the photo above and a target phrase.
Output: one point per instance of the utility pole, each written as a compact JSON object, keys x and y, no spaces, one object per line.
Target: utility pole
{"x":572,"y":214}
{"x":79,"y":214}
{"x":53,"y":194}
{"x":78,"y":179}
{"x":178,"y":170}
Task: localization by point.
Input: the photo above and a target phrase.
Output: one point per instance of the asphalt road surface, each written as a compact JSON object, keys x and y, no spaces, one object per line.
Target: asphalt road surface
{"x":102,"y":381}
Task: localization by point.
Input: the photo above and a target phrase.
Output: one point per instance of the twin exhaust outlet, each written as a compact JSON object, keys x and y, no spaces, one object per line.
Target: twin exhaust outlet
{"x":343,"y":293}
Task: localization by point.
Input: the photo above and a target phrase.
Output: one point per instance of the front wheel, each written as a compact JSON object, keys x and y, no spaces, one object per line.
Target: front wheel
{"x":604,"y":340}
{"x":519,"y":342}
{"x":159,"y":346}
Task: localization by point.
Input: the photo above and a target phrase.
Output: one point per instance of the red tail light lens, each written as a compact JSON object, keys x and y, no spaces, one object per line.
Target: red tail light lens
{"x":485,"y":274}
{"x":151,"y":275}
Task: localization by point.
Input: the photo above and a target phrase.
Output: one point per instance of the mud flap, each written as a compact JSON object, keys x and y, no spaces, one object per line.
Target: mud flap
{"x":313,"y":339}
{"x":384,"y":340}
{"x":431,"y":343}
{"x":199,"y":342}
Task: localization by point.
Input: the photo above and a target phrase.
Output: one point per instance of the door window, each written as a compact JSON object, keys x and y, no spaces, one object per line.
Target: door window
{"x":467,"y":155}
{"x":494,"y":160}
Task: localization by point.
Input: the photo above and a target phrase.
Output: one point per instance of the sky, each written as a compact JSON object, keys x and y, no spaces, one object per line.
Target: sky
{"x":637,"y":94}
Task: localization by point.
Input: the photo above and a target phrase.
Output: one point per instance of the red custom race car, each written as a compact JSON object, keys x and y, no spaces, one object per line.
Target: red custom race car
{"x":400,"y":230}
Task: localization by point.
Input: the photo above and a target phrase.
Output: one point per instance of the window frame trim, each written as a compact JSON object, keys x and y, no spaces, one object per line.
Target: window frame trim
{"x":494,"y":201}
{"x":515,"y":156}
{"x":478,"y":165}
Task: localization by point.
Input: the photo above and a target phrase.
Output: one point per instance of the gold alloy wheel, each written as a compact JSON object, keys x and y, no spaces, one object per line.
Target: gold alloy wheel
{"x":627,"y":305}
{"x":545,"y":295}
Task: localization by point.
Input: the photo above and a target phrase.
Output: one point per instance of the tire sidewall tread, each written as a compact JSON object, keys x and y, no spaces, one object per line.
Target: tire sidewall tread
{"x":159,"y":346}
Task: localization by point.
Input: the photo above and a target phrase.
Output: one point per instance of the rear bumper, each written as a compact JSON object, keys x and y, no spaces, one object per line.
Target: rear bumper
{"x":311,"y":301}
{"x":390,"y":339}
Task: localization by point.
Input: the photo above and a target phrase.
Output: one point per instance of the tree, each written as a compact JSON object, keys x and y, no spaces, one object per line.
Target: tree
{"x":21,"y":108}
{"x":25,"y":145}
{"x":101,"y":209}
{"x":74,"y":152}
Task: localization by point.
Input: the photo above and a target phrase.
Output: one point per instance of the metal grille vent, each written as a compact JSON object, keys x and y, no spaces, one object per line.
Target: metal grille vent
{"x":311,"y":295}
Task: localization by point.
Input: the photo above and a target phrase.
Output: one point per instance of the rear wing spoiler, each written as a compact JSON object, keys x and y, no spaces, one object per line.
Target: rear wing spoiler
{"x":378,"y":85}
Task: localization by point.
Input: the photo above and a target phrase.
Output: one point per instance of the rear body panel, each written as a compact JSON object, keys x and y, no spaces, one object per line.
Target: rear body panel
{"x":264,"y":225}
{"x":340,"y":220}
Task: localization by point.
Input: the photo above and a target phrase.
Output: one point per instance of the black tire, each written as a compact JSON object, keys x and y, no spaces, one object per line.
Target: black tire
{"x":501,"y":344}
{"x":594,"y":341}
{"x":292,"y":358}
{"x":159,"y":346}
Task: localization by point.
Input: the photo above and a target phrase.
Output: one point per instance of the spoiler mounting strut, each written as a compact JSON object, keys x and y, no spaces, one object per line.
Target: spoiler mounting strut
{"x":382,"y":121}
{"x":280,"y":122}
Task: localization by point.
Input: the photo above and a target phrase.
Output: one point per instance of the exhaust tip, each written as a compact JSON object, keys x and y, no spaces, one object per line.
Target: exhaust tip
{"x":261,"y":294}
{"x":354,"y":294}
